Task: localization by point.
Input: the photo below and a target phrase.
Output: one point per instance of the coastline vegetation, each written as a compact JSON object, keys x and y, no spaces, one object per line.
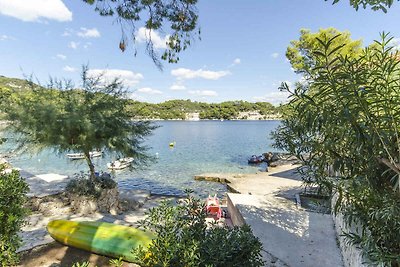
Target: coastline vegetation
{"x":13,"y":190}
{"x":66,"y":119}
{"x":228,"y":110}
{"x":344,"y":116}
{"x":172,"y":109}
{"x":183,"y":238}
{"x":342,"y":121}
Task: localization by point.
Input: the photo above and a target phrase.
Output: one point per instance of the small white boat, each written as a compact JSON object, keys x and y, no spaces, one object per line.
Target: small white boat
{"x":120,"y":164}
{"x":92,"y":154}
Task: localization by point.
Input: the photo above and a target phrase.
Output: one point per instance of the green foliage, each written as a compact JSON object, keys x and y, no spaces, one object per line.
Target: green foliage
{"x":117,"y":262}
{"x":113,"y":262}
{"x":379,"y":215}
{"x":13,"y":191}
{"x":83,"y":186}
{"x":231,"y":247}
{"x":171,"y":109}
{"x":374,"y":4}
{"x":184,"y":240}
{"x":94,"y":117}
{"x":81,"y":264}
{"x":177,"y":109}
{"x":301,"y":53}
{"x":344,"y":123}
{"x":180,"y":17}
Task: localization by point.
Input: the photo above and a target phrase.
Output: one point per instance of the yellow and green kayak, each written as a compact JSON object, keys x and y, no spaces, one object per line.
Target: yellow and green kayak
{"x":100,"y":237}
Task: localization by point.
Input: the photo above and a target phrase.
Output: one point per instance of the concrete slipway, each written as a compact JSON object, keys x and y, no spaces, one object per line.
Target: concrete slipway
{"x":291,"y":236}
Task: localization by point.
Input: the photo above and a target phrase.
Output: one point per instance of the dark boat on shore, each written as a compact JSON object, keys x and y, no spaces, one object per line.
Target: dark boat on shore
{"x":256,"y":159}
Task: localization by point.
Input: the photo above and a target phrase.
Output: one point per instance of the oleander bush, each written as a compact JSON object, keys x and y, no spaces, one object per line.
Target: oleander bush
{"x":343,"y":122}
{"x":183,"y":239}
{"x":13,"y":191}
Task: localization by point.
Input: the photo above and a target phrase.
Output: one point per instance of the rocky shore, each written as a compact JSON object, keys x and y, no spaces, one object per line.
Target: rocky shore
{"x":132,"y":205}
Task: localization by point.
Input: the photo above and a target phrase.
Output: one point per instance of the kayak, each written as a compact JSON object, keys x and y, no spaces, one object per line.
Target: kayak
{"x":102,"y":238}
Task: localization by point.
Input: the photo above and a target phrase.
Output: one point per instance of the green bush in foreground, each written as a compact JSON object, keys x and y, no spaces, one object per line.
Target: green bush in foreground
{"x":13,"y":191}
{"x":184,"y":240}
{"x":343,"y":122}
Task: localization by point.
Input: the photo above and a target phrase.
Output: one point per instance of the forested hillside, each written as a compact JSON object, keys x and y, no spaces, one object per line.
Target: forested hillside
{"x":177,"y":109}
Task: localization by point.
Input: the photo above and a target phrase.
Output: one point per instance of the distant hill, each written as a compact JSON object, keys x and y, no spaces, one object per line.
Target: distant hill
{"x":193,"y":110}
{"x":13,"y":83}
{"x":180,"y":109}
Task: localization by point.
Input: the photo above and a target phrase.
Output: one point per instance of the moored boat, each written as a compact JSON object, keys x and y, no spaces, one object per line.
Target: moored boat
{"x":120,"y":164}
{"x":92,"y":154}
{"x":256,"y":159}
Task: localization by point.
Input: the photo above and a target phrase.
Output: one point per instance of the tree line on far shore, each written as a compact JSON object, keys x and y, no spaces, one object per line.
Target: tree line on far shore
{"x":178,"y":109}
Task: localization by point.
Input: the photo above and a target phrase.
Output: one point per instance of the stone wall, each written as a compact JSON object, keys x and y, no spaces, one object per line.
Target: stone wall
{"x":236,"y":217}
{"x":352,"y":256}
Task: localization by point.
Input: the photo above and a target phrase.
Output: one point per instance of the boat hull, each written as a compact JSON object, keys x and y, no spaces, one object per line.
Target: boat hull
{"x":256,"y":159}
{"x":120,"y":164}
{"x":93,"y":154}
{"x":102,"y":238}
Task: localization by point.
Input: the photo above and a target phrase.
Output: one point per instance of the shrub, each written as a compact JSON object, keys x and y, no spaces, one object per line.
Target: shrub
{"x":13,"y":191}
{"x":184,"y":240}
{"x":83,"y":186}
{"x":343,"y":123}
{"x":379,"y":215}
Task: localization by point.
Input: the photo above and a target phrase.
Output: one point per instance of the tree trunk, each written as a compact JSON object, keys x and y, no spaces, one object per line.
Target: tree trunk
{"x":91,"y":166}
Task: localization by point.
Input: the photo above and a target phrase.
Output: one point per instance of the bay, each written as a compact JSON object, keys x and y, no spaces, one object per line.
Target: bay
{"x":200,"y":147}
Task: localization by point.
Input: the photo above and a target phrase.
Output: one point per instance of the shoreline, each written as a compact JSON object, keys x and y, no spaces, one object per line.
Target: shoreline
{"x":290,"y":234}
{"x":34,"y":233}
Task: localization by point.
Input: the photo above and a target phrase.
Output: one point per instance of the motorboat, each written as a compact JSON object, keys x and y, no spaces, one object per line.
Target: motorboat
{"x":256,"y":159}
{"x":120,"y":164}
{"x":92,"y":154}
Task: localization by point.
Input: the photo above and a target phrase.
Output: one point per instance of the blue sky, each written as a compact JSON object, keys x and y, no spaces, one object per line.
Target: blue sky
{"x":241,"y":54}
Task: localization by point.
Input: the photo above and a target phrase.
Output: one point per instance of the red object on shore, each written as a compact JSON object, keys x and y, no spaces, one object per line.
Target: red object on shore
{"x":213,"y":207}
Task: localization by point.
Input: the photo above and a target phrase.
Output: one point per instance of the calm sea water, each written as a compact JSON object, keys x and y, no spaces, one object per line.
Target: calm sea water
{"x":201,"y":147}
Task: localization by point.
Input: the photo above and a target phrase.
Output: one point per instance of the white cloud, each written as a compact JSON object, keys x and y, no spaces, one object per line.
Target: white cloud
{"x":6,"y":37}
{"x":395,"y":42}
{"x":177,"y":87}
{"x":150,"y":91}
{"x":88,"y":33}
{"x":69,"y":69}
{"x":289,"y":83}
{"x":67,"y":32}
{"x":73,"y":45}
{"x":185,"y":74}
{"x":203,"y":93}
{"x":235,"y":62}
{"x":134,"y":96}
{"x":303,"y":80}
{"x":273,"y":97}
{"x":275,"y":55}
{"x":87,"y":45}
{"x":143,"y":34}
{"x":33,"y":10}
{"x":127,"y":77}
{"x":61,"y":56}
